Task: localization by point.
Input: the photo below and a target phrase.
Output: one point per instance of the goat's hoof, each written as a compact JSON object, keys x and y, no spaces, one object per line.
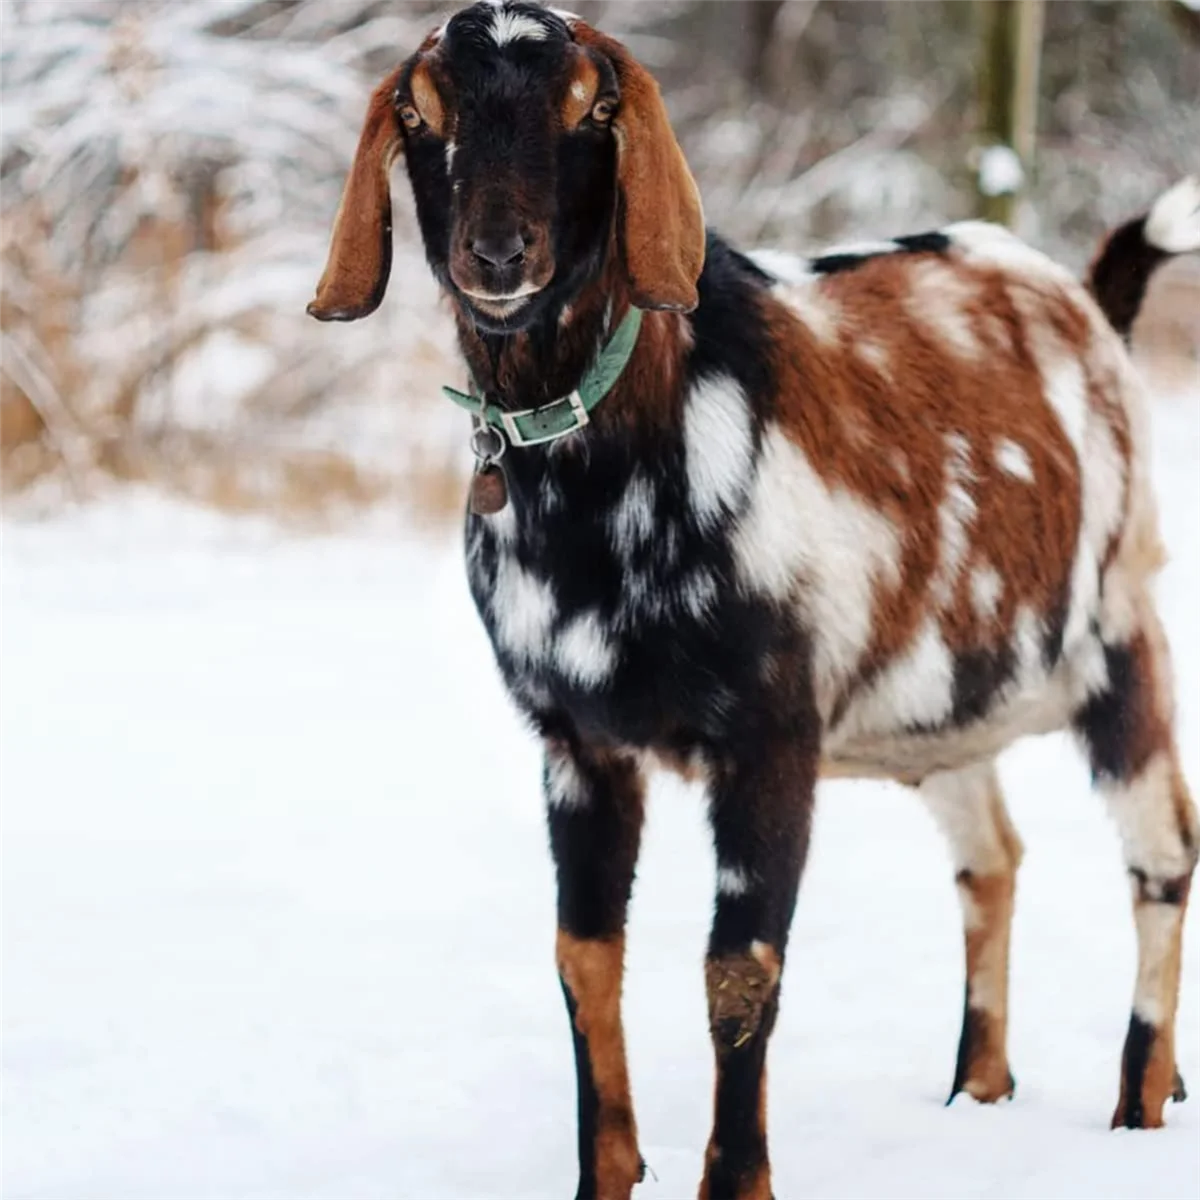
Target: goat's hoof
{"x":986,"y":1089}
{"x":1178,"y":1090}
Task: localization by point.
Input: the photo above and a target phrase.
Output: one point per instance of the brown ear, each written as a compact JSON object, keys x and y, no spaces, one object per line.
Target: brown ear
{"x":662,"y":223}
{"x":360,"y":254}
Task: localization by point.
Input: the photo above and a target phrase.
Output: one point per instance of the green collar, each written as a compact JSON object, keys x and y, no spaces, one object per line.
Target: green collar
{"x":560,"y":417}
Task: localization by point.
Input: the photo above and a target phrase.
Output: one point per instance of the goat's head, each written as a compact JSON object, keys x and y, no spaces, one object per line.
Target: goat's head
{"x":530,"y":140}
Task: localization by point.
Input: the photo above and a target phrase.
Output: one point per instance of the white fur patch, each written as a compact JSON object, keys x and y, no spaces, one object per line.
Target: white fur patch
{"x":939,"y":298}
{"x":451,"y":151}
{"x":874,"y":355}
{"x":1174,"y":222}
{"x":524,"y":609}
{"x":514,"y":27}
{"x":784,"y":266}
{"x":732,"y":881}
{"x":955,"y":517}
{"x":986,"y":589}
{"x":1013,"y":458}
{"x":916,"y":689}
{"x":1065,"y":390}
{"x":823,"y":548}
{"x":565,"y":788}
{"x":963,"y":803}
{"x":1157,"y":935}
{"x":697,"y":592}
{"x":981,"y":241}
{"x":820,"y":315}
{"x":584,"y":653}
{"x":1145,"y":815}
{"x":631,"y":522}
{"x":719,"y":447}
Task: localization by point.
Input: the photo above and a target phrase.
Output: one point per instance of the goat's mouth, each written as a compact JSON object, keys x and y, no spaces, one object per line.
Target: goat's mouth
{"x":501,"y":305}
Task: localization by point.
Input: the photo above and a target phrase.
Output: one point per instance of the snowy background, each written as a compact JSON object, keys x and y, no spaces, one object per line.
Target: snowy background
{"x":278,"y":910}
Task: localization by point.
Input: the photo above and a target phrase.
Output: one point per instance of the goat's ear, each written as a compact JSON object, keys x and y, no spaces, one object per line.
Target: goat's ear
{"x":360,"y":253}
{"x":662,"y":223}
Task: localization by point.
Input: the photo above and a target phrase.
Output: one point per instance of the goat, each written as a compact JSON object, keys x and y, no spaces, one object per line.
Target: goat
{"x":880,"y":513}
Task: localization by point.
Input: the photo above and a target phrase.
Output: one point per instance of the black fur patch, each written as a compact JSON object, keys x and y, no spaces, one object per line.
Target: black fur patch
{"x":933,"y":242}
{"x":832,"y":264}
{"x":1103,"y":722}
{"x":1121,"y":273}
{"x":1139,"y":1042}
{"x":741,"y":1146}
{"x":978,"y":676}
{"x":587,"y":1103}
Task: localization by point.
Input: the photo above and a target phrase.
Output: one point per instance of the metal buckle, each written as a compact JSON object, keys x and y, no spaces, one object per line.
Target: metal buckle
{"x":517,"y":438}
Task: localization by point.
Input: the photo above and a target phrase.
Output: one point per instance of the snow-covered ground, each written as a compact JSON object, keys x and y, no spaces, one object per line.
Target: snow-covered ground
{"x":278,"y":911}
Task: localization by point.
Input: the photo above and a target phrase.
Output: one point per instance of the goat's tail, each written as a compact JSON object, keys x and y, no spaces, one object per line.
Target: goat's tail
{"x":1131,"y":254}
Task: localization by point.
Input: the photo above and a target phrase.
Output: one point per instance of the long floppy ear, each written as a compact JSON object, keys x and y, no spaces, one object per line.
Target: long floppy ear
{"x":360,"y":254}
{"x":662,"y":223}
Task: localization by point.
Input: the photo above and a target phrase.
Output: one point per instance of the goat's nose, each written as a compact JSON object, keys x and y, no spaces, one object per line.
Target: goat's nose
{"x":499,"y":250}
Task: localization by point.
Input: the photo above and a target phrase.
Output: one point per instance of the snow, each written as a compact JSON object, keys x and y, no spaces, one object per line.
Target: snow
{"x":1000,"y":171}
{"x":278,"y":910}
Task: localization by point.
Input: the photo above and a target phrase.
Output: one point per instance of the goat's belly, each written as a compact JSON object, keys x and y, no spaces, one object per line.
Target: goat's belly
{"x":871,"y":743}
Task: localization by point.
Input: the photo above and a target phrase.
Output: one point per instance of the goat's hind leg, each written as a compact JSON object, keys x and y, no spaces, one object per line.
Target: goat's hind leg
{"x":1127,"y":730}
{"x":969,"y":809}
{"x":595,"y":808}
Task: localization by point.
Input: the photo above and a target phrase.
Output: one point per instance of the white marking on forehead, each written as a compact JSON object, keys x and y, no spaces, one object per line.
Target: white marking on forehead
{"x":732,"y":881}
{"x":579,"y":90}
{"x":1013,"y":458}
{"x":565,"y":789}
{"x":524,"y":608}
{"x":986,"y":589}
{"x":719,"y":446}
{"x":514,"y":27}
{"x":585,"y":654}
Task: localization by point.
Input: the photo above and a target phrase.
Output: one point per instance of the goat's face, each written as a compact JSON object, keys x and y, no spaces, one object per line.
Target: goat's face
{"x":530,"y":139}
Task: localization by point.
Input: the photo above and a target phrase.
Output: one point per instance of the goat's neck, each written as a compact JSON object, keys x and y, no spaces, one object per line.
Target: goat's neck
{"x":541,"y":364}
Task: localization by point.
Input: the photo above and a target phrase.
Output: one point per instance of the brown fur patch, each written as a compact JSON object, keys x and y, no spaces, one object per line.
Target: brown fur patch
{"x":427,"y":99}
{"x":662,"y":223}
{"x":850,"y":416}
{"x":592,"y":971}
{"x":360,"y":251}
{"x":581,"y":90}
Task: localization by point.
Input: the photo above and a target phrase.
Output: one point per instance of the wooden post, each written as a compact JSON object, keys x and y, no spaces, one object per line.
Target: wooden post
{"x":1008,"y":83}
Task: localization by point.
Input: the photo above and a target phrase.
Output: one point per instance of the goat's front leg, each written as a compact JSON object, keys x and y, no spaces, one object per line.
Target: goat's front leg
{"x":760,"y":808}
{"x":594,"y":804}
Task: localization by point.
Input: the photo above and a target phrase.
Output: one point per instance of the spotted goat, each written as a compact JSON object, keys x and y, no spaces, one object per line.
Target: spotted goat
{"x":876,"y":513}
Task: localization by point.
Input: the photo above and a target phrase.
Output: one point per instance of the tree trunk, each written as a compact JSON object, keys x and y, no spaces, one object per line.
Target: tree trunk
{"x":1008,"y":82}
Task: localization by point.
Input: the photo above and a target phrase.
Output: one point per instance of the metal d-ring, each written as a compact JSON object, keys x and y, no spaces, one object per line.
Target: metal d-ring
{"x":483,"y":434}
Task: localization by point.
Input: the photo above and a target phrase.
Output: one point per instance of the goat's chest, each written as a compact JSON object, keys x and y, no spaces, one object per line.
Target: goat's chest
{"x":607,"y":605}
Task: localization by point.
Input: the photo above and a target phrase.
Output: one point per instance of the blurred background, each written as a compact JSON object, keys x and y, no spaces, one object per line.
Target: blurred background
{"x":170,"y":170}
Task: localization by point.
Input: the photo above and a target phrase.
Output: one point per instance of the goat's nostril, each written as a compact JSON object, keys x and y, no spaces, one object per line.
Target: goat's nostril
{"x":504,"y":251}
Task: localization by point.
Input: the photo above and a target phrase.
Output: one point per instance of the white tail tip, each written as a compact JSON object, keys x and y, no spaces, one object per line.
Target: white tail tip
{"x":1174,"y":222}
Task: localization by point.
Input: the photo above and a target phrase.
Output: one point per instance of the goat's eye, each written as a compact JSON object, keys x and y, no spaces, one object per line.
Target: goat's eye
{"x":410,"y":117}
{"x":602,"y":111}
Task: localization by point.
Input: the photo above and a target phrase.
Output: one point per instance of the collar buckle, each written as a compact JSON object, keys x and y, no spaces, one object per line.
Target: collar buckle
{"x":549,"y":425}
